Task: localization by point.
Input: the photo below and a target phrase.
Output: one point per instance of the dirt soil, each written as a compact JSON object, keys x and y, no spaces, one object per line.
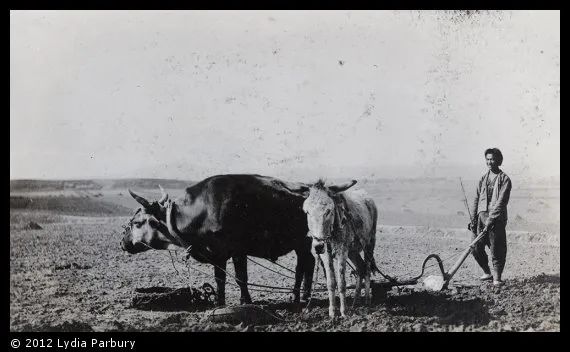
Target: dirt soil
{"x":71,"y":275}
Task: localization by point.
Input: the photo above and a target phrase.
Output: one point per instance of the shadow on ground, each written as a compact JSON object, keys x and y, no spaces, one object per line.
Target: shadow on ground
{"x":447,"y":309}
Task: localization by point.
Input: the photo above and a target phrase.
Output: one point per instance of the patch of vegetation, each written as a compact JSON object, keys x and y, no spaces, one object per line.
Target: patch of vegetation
{"x":21,"y":217}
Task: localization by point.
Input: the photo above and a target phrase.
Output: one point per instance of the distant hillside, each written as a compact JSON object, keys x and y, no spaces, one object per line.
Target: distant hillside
{"x":69,"y":205}
{"x":52,"y":185}
{"x":61,"y":185}
{"x":149,"y":183}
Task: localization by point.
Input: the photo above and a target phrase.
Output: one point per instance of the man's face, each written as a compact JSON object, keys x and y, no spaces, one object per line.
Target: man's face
{"x":492,"y":163}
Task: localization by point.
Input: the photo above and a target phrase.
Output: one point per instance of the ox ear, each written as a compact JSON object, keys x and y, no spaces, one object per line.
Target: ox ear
{"x":140,"y":199}
{"x":299,"y":189}
{"x":164,"y":197}
{"x":342,"y":188}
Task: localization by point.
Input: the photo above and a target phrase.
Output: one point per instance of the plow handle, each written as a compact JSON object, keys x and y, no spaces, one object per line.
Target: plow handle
{"x":462,"y":258}
{"x":456,"y":266}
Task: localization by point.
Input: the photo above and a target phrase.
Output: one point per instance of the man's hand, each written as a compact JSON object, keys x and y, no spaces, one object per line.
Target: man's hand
{"x":472,"y":226}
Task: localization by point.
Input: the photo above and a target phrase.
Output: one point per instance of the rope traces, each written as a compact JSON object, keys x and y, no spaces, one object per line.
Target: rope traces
{"x":285,"y":290}
{"x":264,"y":288}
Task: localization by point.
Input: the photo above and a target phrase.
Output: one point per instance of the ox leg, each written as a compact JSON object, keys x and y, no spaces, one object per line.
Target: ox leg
{"x":304,"y":270}
{"x":299,"y":271}
{"x":309,"y":264}
{"x":341,"y":280}
{"x":240,"y":265}
{"x":360,"y":272}
{"x":367,"y":283}
{"x":331,"y":284}
{"x":369,"y":260}
{"x":220,"y":274}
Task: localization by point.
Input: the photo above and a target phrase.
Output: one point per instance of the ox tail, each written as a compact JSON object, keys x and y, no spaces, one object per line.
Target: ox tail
{"x":369,"y":249}
{"x":373,"y":267}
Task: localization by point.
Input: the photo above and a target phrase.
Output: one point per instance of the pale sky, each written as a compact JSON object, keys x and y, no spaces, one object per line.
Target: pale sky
{"x":295,"y":94}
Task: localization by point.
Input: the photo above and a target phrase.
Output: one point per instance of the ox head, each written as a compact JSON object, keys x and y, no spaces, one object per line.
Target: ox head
{"x":324,"y":210}
{"x":147,"y":229}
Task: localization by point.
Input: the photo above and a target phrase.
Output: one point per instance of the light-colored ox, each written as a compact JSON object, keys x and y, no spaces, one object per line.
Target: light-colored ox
{"x":342,"y":224}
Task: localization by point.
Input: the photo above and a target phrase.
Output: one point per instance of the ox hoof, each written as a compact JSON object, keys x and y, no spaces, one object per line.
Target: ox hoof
{"x":336,"y":319}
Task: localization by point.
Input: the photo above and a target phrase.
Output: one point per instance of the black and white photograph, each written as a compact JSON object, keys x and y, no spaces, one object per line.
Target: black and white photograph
{"x":283,"y":171}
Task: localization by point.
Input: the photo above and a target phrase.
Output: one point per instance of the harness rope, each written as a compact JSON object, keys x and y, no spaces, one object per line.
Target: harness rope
{"x":279,"y":265}
{"x":240,"y":281}
{"x":263,"y":266}
{"x":283,"y":289}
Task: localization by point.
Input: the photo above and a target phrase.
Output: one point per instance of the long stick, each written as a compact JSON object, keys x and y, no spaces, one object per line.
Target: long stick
{"x":465,"y":200}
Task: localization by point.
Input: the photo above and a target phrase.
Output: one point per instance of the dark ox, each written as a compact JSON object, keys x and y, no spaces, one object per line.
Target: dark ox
{"x":228,"y":216}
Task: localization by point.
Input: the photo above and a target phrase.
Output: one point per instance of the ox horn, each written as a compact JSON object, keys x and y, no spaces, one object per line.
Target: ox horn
{"x":342,"y":188}
{"x":164,"y":195}
{"x":140,"y":199}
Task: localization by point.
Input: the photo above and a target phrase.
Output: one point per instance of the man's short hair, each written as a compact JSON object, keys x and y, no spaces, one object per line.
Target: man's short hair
{"x":496,"y":153}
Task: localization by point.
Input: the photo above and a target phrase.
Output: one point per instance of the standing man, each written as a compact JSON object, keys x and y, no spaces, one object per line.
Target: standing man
{"x":490,"y":216}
